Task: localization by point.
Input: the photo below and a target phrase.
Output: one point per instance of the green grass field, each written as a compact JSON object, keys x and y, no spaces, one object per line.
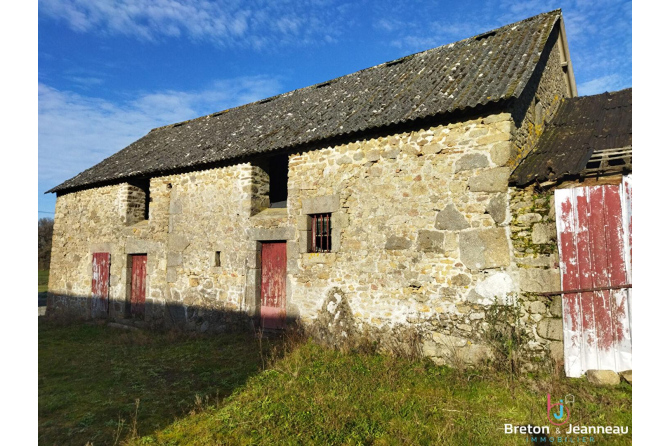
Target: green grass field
{"x":42,"y":280}
{"x":91,"y":376}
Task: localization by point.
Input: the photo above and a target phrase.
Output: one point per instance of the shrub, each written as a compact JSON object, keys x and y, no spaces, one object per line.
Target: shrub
{"x":505,"y":335}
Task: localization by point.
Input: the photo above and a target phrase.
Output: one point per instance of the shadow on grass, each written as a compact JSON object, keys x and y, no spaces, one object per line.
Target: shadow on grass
{"x":317,"y":395}
{"x":92,"y":375}
{"x":42,"y":280}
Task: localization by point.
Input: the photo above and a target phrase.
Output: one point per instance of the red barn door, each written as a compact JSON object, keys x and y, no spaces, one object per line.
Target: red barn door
{"x":100,"y":284}
{"x":594,"y":226}
{"x":273,"y":285}
{"x":138,"y":284}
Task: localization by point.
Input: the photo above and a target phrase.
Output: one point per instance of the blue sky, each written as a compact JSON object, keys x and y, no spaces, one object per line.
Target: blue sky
{"x":110,"y":71}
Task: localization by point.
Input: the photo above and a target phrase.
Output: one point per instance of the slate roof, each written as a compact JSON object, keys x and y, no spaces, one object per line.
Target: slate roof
{"x":483,"y":69}
{"x":581,"y":127}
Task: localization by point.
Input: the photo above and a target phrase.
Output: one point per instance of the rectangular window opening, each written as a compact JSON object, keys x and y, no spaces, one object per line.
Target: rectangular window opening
{"x":277,"y":169}
{"x":321,"y":233}
{"x":217,"y":258}
{"x":143,"y":184}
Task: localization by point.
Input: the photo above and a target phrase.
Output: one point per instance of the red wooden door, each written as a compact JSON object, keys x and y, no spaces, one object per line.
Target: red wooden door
{"x":594,"y":231}
{"x":138,"y":284}
{"x":100,"y":283}
{"x":273,"y":285}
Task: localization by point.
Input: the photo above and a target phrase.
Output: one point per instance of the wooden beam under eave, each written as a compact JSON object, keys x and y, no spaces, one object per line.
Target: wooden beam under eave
{"x":566,"y":62}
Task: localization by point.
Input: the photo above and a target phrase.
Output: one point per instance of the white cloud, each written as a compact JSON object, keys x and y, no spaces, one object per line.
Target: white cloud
{"x":227,"y":23}
{"x":598,"y":31}
{"x":76,"y":131}
{"x":388,"y":24}
{"x":85,"y":81}
{"x":413,"y":43}
{"x":425,"y":31}
{"x":612,"y":82}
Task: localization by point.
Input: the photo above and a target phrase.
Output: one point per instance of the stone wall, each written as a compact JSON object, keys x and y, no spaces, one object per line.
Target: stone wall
{"x":426,"y":235}
{"x":78,"y":217}
{"x":539,"y":101}
{"x":192,"y":216}
{"x":533,"y":234}
{"x":422,"y":222}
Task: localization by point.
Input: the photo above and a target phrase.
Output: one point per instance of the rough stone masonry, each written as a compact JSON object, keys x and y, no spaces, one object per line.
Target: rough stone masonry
{"x":426,"y":234}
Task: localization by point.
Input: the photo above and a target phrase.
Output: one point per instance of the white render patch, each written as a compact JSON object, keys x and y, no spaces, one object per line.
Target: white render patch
{"x":332,"y":305}
{"x":495,"y":288}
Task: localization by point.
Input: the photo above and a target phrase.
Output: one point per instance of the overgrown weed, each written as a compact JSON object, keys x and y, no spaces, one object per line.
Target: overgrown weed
{"x":505,"y":335}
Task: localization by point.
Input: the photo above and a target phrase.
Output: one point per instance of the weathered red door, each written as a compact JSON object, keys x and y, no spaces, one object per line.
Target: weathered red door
{"x":138,"y":284}
{"x":100,"y":283}
{"x":594,"y":226}
{"x":273,"y":285}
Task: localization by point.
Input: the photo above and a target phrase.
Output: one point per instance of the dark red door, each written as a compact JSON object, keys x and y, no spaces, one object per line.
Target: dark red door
{"x":100,"y":283}
{"x":138,"y":284}
{"x":273,"y":285}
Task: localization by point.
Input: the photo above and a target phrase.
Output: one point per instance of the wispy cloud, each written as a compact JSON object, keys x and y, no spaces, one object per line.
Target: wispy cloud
{"x":599,"y":32}
{"x":612,"y":82}
{"x":419,"y":36}
{"x":85,"y":81}
{"x":226,"y":23}
{"x":76,"y":131}
{"x":388,"y":24}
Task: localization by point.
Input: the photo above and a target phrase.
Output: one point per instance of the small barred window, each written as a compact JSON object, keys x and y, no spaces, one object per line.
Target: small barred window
{"x":321,"y":230}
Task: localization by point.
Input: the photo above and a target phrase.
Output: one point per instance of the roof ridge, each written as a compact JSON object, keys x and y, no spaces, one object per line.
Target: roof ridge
{"x":349,"y":75}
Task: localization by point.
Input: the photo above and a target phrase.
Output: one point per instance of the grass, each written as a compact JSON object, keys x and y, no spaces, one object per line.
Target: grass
{"x":42,"y":280}
{"x":305,"y":395}
{"x":90,"y":377}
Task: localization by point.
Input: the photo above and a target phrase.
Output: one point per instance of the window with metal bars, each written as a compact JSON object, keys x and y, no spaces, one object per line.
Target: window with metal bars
{"x":321,"y":230}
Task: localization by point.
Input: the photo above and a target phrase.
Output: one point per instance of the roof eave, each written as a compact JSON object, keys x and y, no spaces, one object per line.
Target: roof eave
{"x":491,"y":106}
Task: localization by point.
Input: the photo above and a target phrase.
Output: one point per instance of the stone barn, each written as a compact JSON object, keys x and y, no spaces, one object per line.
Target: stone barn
{"x":416,"y":196}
